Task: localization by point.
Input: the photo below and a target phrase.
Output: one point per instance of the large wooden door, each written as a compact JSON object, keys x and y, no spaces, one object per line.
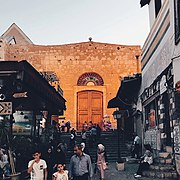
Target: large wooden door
{"x":90,"y":107}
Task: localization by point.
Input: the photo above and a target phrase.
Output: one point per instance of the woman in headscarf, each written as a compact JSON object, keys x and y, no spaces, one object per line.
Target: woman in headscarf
{"x":50,"y":160}
{"x":60,"y":156}
{"x":101,"y":160}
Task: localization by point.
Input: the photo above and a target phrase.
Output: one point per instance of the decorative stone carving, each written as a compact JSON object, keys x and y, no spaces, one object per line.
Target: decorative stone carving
{"x":88,"y":77}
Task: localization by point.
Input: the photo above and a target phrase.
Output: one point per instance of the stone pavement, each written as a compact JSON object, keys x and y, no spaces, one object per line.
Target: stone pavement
{"x":128,"y":173}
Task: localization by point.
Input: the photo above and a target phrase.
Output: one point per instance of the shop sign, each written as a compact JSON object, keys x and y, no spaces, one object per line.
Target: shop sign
{"x":177,"y":139}
{"x":163,"y":84}
{"x":152,"y":137}
{"x":20,"y":95}
{"x":23,"y":123}
{"x":5,"y":108}
{"x":150,"y":91}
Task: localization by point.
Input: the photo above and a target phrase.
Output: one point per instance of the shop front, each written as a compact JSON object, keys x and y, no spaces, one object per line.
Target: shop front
{"x":126,"y":100}
{"x":27,"y":99}
{"x":157,"y":102}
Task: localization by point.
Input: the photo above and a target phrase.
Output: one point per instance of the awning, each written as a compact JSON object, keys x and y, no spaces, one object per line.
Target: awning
{"x":116,"y":103}
{"x":127,"y":94}
{"x":36,"y":92}
{"x":144,"y":2}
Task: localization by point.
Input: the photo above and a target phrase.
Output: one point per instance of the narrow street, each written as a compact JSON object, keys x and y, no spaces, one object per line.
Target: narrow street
{"x":128,"y":173}
{"x":85,"y":83}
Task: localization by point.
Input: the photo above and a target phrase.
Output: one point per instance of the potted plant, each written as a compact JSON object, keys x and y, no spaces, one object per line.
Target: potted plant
{"x":5,"y":138}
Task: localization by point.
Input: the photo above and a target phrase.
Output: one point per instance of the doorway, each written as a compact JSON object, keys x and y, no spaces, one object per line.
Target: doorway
{"x":89,"y":107}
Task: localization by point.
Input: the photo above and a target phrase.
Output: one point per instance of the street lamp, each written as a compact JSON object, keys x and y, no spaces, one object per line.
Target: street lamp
{"x":118,"y":116}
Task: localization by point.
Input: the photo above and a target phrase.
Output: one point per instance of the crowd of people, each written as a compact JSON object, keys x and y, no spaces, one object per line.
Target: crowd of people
{"x":51,"y":152}
{"x":80,"y":167}
{"x":105,"y":125}
{"x":49,"y":159}
{"x":89,"y":134}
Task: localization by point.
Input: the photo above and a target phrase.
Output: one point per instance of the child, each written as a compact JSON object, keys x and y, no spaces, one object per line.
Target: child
{"x":61,"y":174}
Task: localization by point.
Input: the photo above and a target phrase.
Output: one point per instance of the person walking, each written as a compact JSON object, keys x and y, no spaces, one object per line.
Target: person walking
{"x":37,"y":167}
{"x":93,"y":133}
{"x":136,"y":149}
{"x":101,"y":160}
{"x":60,"y":156}
{"x":50,"y":160}
{"x":83,"y":136}
{"x":98,"y":131}
{"x":63,"y":125}
{"x":80,"y":167}
{"x":68,"y":126}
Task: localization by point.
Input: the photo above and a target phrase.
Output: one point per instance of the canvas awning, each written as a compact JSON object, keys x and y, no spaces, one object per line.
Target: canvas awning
{"x":144,"y":2}
{"x":127,"y":94}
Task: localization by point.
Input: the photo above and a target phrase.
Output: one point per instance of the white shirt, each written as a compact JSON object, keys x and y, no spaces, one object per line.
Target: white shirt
{"x":5,"y":158}
{"x":84,"y":135}
{"x":59,"y":176}
{"x":38,"y":169}
{"x":137,"y":140}
{"x":148,"y":159}
{"x":1,"y":164}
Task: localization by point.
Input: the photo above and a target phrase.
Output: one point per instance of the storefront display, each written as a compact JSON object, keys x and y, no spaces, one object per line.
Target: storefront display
{"x":23,"y":123}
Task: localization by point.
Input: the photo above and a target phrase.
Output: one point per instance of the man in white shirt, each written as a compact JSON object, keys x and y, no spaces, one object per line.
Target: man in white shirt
{"x":37,"y":167}
{"x":136,"y":150}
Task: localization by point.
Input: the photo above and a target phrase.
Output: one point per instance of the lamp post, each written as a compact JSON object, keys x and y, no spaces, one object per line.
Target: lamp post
{"x":118,"y":116}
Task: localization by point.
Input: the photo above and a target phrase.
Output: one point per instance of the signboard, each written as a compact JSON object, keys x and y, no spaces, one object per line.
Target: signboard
{"x":151,"y":118}
{"x":5,"y":108}
{"x":20,"y":95}
{"x":23,"y":123}
{"x":152,"y":137}
{"x":163,"y":84}
{"x":177,"y":139}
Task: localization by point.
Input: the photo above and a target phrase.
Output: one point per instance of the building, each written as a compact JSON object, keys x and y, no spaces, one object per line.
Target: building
{"x":89,"y":72}
{"x":26,"y":94}
{"x":125,"y":103}
{"x":159,"y":97}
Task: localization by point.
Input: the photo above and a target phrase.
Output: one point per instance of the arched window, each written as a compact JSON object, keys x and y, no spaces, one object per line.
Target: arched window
{"x":90,"y":79}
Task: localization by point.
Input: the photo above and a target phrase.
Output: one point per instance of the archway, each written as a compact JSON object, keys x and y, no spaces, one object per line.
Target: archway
{"x":89,"y":101}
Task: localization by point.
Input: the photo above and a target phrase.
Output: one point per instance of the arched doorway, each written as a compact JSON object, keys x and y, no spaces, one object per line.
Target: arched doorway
{"x":89,"y":102}
{"x":89,"y":107}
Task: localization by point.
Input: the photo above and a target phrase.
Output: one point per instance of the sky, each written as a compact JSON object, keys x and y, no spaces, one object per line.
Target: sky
{"x":55,"y":22}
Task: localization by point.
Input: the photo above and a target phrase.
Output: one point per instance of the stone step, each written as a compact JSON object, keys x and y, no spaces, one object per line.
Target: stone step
{"x":163,"y":160}
{"x":108,"y":139}
{"x":160,"y":167}
{"x":161,"y":174}
{"x":164,"y":155}
{"x":169,"y":149}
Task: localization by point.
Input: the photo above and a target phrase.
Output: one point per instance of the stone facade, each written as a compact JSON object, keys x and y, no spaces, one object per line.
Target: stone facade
{"x":112,"y":62}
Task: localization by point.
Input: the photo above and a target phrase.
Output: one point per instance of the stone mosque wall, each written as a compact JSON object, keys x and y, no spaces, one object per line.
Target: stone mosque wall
{"x":112,"y":62}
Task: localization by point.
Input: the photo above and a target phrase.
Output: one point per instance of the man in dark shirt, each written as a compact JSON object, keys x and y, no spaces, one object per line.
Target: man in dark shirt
{"x":80,"y":165}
